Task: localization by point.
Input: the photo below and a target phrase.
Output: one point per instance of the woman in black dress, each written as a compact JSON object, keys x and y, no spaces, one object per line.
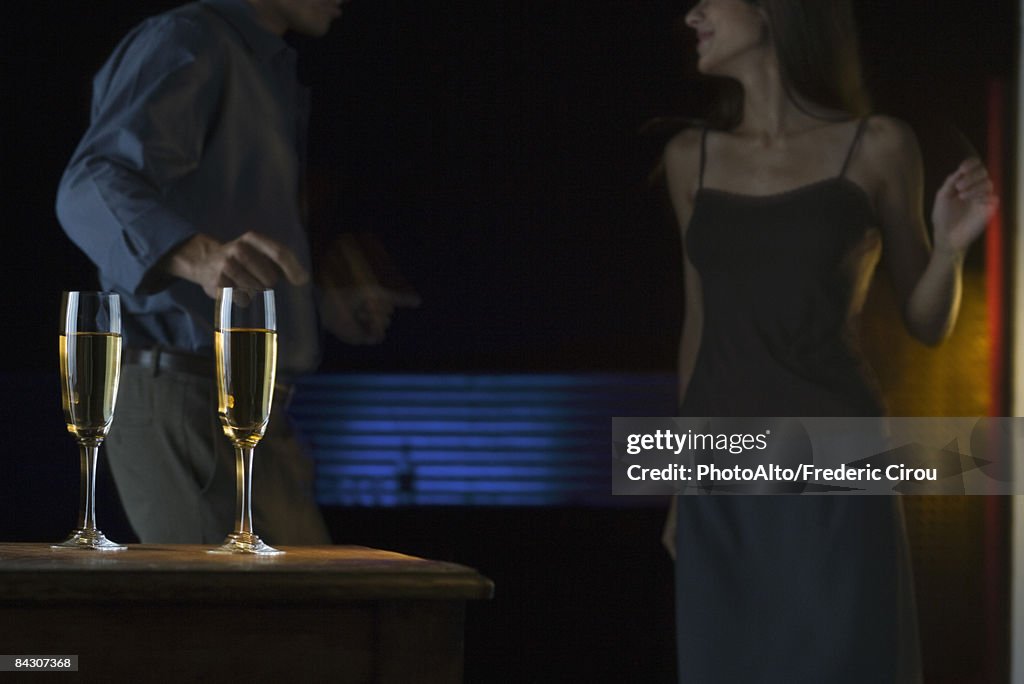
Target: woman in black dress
{"x":785,"y":208}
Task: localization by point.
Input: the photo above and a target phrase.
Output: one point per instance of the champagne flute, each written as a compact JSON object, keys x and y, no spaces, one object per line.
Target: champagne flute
{"x":245,"y":346}
{"x":90,"y":364}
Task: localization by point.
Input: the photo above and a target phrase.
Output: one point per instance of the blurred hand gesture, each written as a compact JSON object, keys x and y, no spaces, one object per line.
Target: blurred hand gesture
{"x":358,"y":297}
{"x":963,"y":206}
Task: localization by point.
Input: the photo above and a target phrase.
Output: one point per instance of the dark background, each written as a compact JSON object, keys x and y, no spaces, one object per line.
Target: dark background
{"x":496,"y":148}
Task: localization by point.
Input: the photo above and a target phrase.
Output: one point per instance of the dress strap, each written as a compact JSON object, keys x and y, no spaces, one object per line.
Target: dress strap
{"x":703,"y":157}
{"x":853,"y":145}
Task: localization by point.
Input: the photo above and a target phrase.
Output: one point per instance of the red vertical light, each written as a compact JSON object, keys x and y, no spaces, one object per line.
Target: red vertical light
{"x":995,"y":562}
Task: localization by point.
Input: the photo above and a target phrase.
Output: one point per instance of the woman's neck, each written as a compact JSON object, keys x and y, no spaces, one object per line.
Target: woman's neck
{"x":770,"y":112}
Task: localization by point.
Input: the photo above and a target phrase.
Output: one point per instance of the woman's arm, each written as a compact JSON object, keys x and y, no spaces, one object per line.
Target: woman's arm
{"x":926,"y":277}
{"x":682,"y":162}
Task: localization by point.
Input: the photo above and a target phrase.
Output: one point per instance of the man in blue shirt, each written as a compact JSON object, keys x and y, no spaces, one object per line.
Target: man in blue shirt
{"x":189,"y":178}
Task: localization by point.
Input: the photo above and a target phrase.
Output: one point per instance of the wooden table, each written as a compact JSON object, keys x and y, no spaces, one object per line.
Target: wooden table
{"x":176,"y":613}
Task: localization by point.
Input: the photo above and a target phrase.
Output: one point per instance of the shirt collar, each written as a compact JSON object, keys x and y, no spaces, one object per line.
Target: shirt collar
{"x":240,"y":14}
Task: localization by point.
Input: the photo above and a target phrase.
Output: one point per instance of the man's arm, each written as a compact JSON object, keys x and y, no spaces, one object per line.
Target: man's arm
{"x":153,"y":104}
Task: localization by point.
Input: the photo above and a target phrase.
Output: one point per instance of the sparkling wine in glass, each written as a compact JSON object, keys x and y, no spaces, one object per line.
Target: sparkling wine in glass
{"x":245,"y":346}
{"x":90,"y":363}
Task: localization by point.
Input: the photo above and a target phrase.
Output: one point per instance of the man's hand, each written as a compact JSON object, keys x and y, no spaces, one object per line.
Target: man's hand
{"x":361,"y":314}
{"x":251,"y":262}
{"x":356,"y":306}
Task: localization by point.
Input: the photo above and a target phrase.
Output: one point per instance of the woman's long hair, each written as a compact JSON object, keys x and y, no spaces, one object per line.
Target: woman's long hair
{"x":819,"y":58}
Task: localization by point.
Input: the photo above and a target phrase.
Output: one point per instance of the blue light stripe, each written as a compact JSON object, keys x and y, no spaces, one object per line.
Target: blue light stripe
{"x":503,"y":440}
{"x":453,"y":413}
{"x":454,"y":471}
{"x":449,"y":442}
{"x":490,"y":382}
{"x":410,"y":426}
{"x":582,"y":458}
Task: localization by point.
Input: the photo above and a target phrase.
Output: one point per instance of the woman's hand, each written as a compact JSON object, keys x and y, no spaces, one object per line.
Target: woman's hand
{"x":668,"y":533}
{"x":963,"y":206}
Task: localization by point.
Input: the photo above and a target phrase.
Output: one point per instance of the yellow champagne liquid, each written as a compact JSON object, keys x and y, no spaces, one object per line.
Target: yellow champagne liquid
{"x":246,"y":365}
{"x":89,"y":371}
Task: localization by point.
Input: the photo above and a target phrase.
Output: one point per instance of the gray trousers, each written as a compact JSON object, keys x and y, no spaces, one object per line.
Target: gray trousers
{"x":175,"y":469}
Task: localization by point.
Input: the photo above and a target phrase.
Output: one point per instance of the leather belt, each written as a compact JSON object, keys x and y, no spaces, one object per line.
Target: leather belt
{"x":166,"y":360}
{"x":158,"y":359}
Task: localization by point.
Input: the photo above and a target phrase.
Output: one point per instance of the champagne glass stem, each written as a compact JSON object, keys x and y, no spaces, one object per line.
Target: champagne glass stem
{"x":86,"y":536}
{"x":87,"y":493}
{"x":243,"y":539}
{"x":243,"y":483}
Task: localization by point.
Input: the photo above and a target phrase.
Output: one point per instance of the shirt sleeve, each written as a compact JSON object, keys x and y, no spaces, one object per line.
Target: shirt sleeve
{"x":153,"y":104}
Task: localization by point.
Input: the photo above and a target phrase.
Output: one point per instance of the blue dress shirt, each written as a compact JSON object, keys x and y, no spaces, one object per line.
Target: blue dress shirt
{"x":197,"y":126}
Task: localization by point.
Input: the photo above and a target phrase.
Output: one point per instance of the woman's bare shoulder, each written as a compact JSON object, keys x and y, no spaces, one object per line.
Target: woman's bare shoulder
{"x":682,"y":154}
{"x":889,"y":140}
{"x":684,"y":143}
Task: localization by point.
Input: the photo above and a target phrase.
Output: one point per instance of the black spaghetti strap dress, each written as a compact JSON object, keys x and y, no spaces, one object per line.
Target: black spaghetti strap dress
{"x":787,"y":589}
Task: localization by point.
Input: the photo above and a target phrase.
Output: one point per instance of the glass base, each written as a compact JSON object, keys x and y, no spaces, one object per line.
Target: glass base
{"x":243,"y":542}
{"x":89,"y":539}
